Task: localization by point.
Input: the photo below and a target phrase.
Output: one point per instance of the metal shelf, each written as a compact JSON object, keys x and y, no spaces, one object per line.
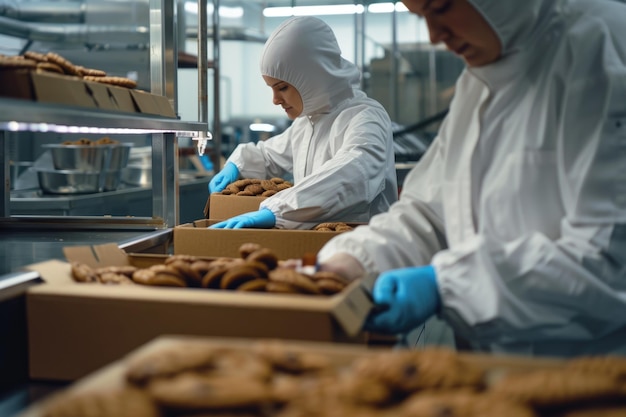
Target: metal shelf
{"x":25,"y":115}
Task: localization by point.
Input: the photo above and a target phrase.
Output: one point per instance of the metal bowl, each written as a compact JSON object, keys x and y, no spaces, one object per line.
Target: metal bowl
{"x":54,"y":181}
{"x":89,"y":157}
{"x":140,"y":175}
{"x":119,"y":156}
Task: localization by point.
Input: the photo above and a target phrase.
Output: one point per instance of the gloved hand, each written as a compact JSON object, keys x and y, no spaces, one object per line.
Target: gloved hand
{"x":262,"y":219}
{"x":227,"y":175}
{"x":411,"y":296}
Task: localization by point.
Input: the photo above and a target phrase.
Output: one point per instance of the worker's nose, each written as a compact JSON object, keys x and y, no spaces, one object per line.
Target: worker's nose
{"x":438,"y":32}
{"x":277,"y":99}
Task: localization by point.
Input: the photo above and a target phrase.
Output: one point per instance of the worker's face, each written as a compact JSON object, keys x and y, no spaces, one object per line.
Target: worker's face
{"x":460,"y":27}
{"x":286,"y":96}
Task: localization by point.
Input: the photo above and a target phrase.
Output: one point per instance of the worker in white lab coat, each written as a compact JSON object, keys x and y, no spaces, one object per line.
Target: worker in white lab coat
{"x":339,"y":148}
{"x":512,"y":227}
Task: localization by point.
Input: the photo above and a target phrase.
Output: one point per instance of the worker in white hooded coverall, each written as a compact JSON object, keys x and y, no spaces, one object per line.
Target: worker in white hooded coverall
{"x":339,"y":148}
{"x":512,"y":227}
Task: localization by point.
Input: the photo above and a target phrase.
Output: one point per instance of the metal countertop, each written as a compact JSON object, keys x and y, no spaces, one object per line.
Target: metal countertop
{"x":21,"y":247}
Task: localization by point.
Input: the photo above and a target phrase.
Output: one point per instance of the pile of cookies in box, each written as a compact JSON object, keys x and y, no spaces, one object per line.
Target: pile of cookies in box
{"x":55,"y":63}
{"x":256,"y":187}
{"x":270,"y":378}
{"x":256,"y":270}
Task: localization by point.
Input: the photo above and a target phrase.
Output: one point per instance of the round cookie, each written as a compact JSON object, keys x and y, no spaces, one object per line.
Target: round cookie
{"x":247,"y":248}
{"x":255,"y":285}
{"x":289,"y":276}
{"x":67,"y":66}
{"x":190,"y":391}
{"x":166,"y":362}
{"x":416,"y":370}
{"x":112,"y":278}
{"x":159,"y":275}
{"x":264,"y":255}
{"x":83,"y":273}
{"x":116,"y":81}
{"x":238,"y":275}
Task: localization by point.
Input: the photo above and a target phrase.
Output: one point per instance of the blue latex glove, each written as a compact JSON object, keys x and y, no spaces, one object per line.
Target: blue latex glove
{"x":411,"y":296}
{"x":227,"y":175}
{"x":262,"y":219}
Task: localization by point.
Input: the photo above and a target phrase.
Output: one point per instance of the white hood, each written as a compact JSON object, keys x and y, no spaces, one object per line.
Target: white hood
{"x":303,"y":51}
{"x":516,"y":22}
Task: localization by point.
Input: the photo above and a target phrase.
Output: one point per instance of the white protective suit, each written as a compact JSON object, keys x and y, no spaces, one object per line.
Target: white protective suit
{"x":340,"y":149}
{"x":520,"y":202}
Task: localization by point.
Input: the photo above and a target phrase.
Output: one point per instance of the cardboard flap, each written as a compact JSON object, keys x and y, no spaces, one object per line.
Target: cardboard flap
{"x":352,"y":312}
{"x":97,"y":256}
{"x":52,"y":88}
{"x":100,"y":94}
{"x":122,"y":98}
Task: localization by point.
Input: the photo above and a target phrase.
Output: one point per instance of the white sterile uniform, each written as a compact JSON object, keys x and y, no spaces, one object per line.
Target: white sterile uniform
{"x":520,"y":202}
{"x":340,"y":149}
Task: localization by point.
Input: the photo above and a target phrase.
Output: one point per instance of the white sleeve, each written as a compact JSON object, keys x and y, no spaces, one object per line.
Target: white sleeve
{"x":410,"y":233}
{"x":351,"y":179}
{"x":265,"y":159}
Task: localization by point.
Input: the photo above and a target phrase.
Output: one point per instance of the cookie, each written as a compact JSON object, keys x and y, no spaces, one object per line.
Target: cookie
{"x":245,"y":193}
{"x":281,"y":288}
{"x":268,"y":193}
{"x":462,"y":404}
{"x":116,"y":81}
{"x":328,"y":275}
{"x":416,"y":370}
{"x":192,"y":276}
{"x":556,"y":387}
{"x":329,"y":286}
{"x":12,"y":63}
{"x":607,"y":365}
{"x":213,"y":278}
{"x":159,"y":275}
{"x":167,"y":362}
{"x":127,"y":270}
{"x":255,"y":285}
{"x":291,"y":277}
{"x":49,"y":67}
{"x":247,"y":248}
{"x":255,"y":189}
{"x":67,"y":66}
{"x":190,"y":391}
{"x":112,"y":278}
{"x":240,"y":363}
{"x":285,"y":359}
{"x":91,"y":72}
{"x":119,"y":403}
{"x":35,"y":56}
{"x":83,"y":273}
{"x":264,"y":255}
{"x":236,"y":276}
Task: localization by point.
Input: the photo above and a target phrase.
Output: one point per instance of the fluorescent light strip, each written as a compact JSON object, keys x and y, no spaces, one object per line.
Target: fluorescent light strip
{"x":339,"y":9}
{"x":15,"y":126}
{"x":229,"y":12}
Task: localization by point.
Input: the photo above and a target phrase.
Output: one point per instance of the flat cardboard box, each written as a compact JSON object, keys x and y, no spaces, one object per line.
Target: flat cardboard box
{"x":48,"y":87}
{"x":222,"y":206}
{"x":76,"y":328}
{"x":195,"y":239}
{"x":340,"y":356}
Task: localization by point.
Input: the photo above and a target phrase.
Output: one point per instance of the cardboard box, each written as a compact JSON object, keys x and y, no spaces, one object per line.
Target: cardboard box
{"x":340,"y":356}
{"x":54,"y":88}
{"x":76,"y":328}
{"x":195,"y":239}
{"x":222,"y":206}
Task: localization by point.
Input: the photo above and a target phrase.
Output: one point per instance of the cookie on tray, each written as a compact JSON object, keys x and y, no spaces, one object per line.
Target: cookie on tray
{"x":462,"y":404}
{"x":119,"y":403}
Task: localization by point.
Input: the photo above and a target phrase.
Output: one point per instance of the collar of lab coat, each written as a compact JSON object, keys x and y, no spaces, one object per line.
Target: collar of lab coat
{"x":304,"y":52}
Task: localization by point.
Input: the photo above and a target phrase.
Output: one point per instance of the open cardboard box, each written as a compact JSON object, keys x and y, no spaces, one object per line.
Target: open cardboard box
{"x":195,"y":239}
{"x":54,"y":88}
{"x":339,"y":355}
{"x":76,"y":328}
{"x":222,"y":206}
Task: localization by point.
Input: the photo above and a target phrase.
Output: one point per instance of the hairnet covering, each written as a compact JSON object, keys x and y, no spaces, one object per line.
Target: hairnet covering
{"x":303,"y":51}
{"x":516,"y":22}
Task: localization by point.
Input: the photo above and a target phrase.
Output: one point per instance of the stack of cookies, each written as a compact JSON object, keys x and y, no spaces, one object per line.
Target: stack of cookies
{"x":55,"y":63}
{"x":332,"y":227}
{"x":256,"y":270}
{"x":272,"y":378}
